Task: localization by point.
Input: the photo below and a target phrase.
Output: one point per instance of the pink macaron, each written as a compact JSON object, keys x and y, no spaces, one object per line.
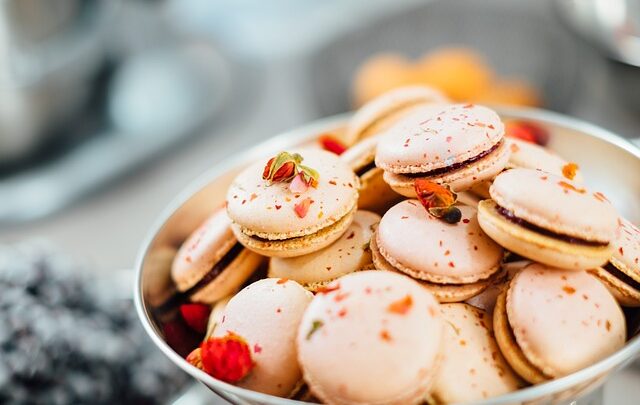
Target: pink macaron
{"x":282,"y":217}
{"x":373,"y":337}
{"x":472,"y":366}
{"x":460,"y":145}
{"x":266,"y":314}
{"x":211,"y":264}
{"x":382,"y":112}
{"x":549,"y":219}
{"x":621,"y":274}
{"x":455,"y":261}
{"x":553,"y":322}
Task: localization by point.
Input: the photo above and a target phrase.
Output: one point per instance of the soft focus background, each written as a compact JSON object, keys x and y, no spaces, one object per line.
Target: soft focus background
{"x":109,"y":108}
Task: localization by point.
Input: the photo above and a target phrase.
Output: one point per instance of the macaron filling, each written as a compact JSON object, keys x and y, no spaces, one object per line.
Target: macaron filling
{"x":456,"y":166}
{"x":620,"y":275}
{"x":546,"y":232}
{"x":217,"y":269}
{"x":366,"y":168}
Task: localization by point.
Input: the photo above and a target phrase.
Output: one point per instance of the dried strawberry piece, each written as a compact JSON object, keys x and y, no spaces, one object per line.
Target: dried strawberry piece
{"x":401,"y":306}
{"x":332,"y":144}
{"x":527,"y":131}
{"x":227,"y":358}
{"x":302,"y":207}
{"x":196,"y":316}
{"x":570,"y":170}
{"x":438,"y":200}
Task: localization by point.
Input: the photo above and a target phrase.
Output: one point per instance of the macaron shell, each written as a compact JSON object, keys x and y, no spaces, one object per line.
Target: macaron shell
{"x":425,"y":247}
{"x":626,"y":295}
{"x":375,"y":194}
{"x":563,"y":321}
{"x":267,"y":211}
{"x":202,"y":250}
{"x":298,"y":246}
{"x":442,"y":292}
{"x":230,"y":279}
{"x":371,"y":312}
{"x":538,"y":247}
{"x":626,"y":251}
{"x":435,"y":137}
{"x":348,"y":254}
{"x":267,"y":314}
{"x":555,"y":203}
{"x":472,"y":366}
{"x":531,"y":156}
{"x":509,"y":346}
{"x":461,"y":179}
{"x":377,"y":115}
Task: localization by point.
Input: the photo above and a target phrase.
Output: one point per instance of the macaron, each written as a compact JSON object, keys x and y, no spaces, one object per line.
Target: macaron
{"x":267,"y":314}
{"x":472,"y":367}
{"x":529,"y":155}
{"x":553,"y":322}
{"x":211,"y":264}
{"x":460,"y":145}
{"x":549,"y":219}
{"x":348,"y":254}
{"x":379,"y":114}
{"x":282,"y":217}
{"x":373,"y":337}
{"x":375,"y":193}
{"x":621,"y":275}
{"x":454,"y":261}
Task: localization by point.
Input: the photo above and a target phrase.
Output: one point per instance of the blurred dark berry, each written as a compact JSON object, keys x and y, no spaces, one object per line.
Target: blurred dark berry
{"x":64,"y":341}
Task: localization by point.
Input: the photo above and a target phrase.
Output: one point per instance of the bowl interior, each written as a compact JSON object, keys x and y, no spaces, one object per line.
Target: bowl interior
{"x":608,"y":162}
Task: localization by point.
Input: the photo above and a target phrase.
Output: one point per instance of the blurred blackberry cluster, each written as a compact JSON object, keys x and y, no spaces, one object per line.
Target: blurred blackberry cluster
{"x":69,"y":339}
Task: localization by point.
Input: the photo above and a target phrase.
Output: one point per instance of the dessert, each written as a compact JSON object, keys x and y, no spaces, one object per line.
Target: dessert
{"x":379,"y":114}
{"x":553,"y":322}
{"x":440,"y":298}
{"x":472,"y":366}
{"x":528,"y":155}
{"x":363,"y":326}
{"x":454,"y":261}
{"x":278,"y":209}
{"x":460,"y":145}
{"x":621,"y":275}
{"x":375,"y":193}
{"x":549,"y":219}
{"x":266,"y":315}
{"x":348,"y":254}
{"x":211,"y":263}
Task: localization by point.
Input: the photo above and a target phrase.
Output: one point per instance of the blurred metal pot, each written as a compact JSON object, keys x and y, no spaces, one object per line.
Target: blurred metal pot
{"x":49,"y":52}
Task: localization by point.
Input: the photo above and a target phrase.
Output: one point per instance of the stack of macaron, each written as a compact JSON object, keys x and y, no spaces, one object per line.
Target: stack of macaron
{"x":389,"y":282}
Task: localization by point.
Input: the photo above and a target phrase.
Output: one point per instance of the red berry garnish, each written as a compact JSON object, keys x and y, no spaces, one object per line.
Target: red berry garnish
{"x":332,"y":144}
{"x":227,"y":358}
{"x":196,"y":316}
{"x":527,"y":131}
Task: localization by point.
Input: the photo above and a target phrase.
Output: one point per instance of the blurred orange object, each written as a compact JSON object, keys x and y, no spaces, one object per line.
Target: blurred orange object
{"x":379,"y":74}
{"x":510,"y":92}
{"x":460,"y":73}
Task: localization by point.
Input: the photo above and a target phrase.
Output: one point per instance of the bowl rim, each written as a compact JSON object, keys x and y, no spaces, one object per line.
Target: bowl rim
{"x":586,"y":375}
